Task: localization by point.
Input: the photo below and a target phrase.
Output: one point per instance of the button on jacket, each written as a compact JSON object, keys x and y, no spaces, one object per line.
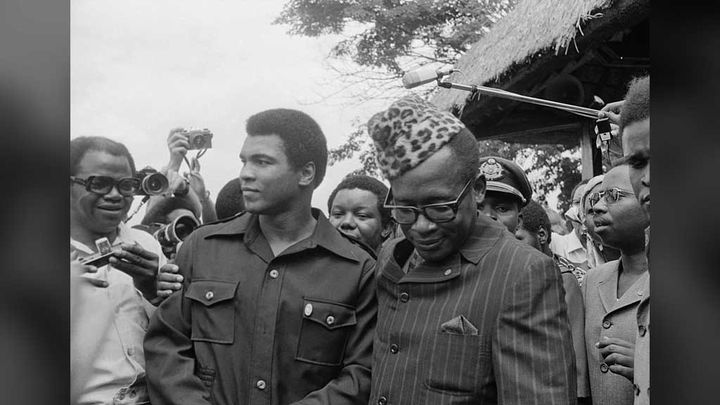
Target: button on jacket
{"x":487,"y":325}
{"x":606,"y":315}
{"x":251,"y":328}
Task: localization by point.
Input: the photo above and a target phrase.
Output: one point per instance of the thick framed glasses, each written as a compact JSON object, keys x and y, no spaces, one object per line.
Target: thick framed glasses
{"x":438,"y":212}
{"x":610,"y":195}
{"x":102,"y":185}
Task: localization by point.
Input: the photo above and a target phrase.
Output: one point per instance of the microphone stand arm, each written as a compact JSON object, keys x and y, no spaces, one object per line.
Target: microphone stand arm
{"x":577,"y":110}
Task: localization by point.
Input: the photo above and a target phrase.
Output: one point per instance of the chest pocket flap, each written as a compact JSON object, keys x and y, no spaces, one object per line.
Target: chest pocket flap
{"x":212,"y":310}
{"x":211,"y":292}
{"x":331,"y":315}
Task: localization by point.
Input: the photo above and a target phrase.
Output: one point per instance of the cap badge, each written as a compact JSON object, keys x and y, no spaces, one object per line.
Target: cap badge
{"x":491,"y":169}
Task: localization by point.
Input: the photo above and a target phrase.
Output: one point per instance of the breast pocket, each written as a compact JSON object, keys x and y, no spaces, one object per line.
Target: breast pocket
{"x":324,"y":331}
{"x":459,"y":364}
{"x":212,"y":310}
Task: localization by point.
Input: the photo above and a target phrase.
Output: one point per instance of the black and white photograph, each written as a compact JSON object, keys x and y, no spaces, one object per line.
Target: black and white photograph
{"x":359,"y":202}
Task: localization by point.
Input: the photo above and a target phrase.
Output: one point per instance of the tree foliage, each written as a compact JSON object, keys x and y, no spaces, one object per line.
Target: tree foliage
{"x":393,"y":30}
{"x":387,"y":37}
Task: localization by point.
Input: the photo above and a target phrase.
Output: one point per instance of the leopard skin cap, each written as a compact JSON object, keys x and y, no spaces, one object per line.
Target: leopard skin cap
{"x":408,"y":132}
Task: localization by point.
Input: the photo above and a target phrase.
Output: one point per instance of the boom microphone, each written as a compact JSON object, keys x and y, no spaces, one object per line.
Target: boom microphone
{"x":424,"y":75}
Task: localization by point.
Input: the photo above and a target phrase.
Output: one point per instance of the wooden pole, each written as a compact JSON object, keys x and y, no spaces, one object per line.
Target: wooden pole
{"x":586,"y":149}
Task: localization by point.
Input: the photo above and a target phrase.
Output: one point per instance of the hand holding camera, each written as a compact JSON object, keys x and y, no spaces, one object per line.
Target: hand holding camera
{"x":141,"y":265}
{"x":84,"y":271}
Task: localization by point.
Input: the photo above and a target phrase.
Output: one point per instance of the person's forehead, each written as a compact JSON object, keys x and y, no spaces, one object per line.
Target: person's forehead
{"x":636,"y":137}
{"x":95,"y":162}
{"x":271,"y":145}
{"x":355,"y":197}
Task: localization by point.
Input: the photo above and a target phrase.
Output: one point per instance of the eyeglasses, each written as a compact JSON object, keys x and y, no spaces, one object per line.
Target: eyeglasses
{"x":102,"y":185}
{"x":611,"y":195}
{"x":438,"y":212}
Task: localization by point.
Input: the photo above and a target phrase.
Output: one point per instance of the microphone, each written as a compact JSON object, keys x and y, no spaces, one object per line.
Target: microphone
{"x":424,"y":75}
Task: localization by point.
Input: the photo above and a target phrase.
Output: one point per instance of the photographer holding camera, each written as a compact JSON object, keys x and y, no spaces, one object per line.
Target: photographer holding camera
{"x":103,"y":183}
{"x":191,"y":185}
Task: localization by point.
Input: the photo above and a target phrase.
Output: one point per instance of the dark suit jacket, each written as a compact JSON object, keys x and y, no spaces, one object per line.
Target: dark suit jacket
{"x":487,"y":325}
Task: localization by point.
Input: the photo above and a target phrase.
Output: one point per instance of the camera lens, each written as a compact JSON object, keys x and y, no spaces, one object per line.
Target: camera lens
{"x":155,"y":183}
{"x":184,"y":226}
{"x":198,"y":141}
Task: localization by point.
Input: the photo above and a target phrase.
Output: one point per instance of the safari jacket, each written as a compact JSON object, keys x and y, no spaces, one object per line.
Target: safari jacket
{"x":251,"y":328}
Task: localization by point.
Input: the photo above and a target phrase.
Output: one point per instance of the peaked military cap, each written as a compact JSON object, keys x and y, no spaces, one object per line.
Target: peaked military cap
{"x":505,"y":176}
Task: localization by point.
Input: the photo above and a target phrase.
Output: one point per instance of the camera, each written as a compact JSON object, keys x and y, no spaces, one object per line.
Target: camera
{"x":152,"y":182}
{"x":176,"y":231}
{"x":199,"y":138}
{"x":102,"y":257}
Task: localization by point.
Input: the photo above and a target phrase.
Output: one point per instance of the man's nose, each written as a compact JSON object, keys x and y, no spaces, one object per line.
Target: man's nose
{"x":423,"y":225}
{"x":246,"y":173}
{"x":490,"y":212}
{"x":348,"y":222}
{"x":114,"y":194}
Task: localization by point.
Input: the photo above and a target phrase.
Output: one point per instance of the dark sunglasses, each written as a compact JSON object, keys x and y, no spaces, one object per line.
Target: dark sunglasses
{"x":611,"y":195}
{"x":438,"y":212}
{"x":102,"y":185}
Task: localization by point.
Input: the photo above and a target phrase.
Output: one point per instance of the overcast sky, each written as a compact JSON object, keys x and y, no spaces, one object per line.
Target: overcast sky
{"x":140,"y":68}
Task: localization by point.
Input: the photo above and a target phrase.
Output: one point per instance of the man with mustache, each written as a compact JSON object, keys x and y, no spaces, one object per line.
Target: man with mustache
{"x":466,"y":312}
{"x":612,"y":291}
{"x":277,"y":307}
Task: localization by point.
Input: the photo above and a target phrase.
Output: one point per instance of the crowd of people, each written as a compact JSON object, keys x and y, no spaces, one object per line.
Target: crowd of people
{"x":454,"y":285}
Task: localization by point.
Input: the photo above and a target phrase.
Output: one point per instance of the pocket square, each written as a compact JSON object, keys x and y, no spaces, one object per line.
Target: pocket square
{"x":459,"y":326}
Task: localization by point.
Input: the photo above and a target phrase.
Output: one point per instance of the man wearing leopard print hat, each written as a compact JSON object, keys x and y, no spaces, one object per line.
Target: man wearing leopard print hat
{"x":466,"y":312}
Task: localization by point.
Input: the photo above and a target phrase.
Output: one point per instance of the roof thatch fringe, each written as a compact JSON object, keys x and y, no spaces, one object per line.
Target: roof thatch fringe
{"x":532,"y":28}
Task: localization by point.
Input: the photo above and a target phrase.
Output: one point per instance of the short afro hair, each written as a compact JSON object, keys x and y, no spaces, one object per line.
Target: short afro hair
{"x":636,"y":107}
{"x":533,"y":218}
{"x":466,"y":152}
{"x":229,"y":200}
{"x":366,"y":183}
{"x":81,"y":145}
{"x":302,"y":137}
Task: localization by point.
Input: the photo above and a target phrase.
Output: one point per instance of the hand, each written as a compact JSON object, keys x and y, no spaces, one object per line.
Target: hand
{"x":177,"y":183}
{"x":619,"y":355}
{"x":168,"y":281}
{"x":178,"y":146}
{"x":78,"y":269}
{"x":197,"y":183}
{"x":141,"y":265}
{"x":612,"y":112}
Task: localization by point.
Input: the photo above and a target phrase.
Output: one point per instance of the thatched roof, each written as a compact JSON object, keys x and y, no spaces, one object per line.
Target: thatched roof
{"x":535,"y":30}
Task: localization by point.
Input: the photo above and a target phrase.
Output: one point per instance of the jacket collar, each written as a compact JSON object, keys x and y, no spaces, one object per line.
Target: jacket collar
{"x":324,"y":235}
{"x":607,"y":287}
{"x":485,"y":234}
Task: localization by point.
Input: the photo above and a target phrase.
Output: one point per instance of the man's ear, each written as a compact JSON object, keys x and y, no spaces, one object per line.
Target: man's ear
{"x":387,"y":230}
{"x":543,"y":237}
{"x":479,"y":188}
{"x":307,"y":174}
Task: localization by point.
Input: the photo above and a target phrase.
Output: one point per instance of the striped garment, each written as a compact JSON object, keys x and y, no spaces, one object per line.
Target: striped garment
{"x":487,"y":325}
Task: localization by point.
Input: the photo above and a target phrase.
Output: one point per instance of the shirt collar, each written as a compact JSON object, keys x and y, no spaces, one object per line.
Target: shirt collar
{"x":122,"y":236}
{"x":324,"y":235}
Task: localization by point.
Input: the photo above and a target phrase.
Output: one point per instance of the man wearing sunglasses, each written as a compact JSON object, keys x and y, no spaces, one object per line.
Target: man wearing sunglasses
{"x":102,"y":186}
{"x":466,"y":312}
